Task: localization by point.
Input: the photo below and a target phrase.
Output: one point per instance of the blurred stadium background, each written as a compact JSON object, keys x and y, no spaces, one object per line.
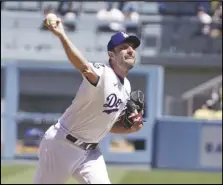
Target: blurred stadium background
{"x":179,"y":68}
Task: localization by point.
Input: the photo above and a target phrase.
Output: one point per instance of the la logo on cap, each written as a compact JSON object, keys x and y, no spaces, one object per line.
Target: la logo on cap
{"x":124,"y":34}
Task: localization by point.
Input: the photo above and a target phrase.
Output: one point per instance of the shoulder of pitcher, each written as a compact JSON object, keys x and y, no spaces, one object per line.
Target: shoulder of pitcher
{"x":94,"y":72}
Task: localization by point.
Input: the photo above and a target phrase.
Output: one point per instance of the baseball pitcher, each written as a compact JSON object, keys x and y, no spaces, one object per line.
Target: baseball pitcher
{"x":104,"y":103}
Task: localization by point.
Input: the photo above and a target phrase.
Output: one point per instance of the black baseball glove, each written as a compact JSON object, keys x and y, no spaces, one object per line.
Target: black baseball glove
{"x":136,"y":105}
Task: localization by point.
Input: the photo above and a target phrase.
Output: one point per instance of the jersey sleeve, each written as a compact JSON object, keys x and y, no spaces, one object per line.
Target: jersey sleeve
{"x":99,"y":69}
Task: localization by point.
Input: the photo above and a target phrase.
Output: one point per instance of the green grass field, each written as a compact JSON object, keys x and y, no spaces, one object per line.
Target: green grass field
{"x":19,"y":174}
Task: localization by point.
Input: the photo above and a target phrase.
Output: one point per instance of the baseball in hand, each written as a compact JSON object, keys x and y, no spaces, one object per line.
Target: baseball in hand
{"x":51,"y":19}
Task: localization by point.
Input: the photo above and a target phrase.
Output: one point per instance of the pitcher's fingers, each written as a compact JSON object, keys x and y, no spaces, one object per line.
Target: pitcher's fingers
{"x":138,"y":119}
{"x":132,"y":115}
{"x":52,"y":27}
{"x":135,"y":115}
{"x":45,"y":23}
{"x":58,"y":20}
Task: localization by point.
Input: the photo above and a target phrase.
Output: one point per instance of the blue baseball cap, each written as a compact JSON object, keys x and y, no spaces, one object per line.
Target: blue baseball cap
{"x":121,"y":37}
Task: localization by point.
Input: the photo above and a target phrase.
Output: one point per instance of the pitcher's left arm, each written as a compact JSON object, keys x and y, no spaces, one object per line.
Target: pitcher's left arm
{"x":131,"y":120}
{"x":119,"y":128}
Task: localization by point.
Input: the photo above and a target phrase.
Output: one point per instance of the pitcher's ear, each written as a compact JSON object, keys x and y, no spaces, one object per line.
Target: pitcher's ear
{"x":111,"y":54}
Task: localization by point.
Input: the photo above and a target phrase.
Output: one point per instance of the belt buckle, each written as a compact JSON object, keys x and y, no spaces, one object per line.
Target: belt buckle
{"x":90,"y":146}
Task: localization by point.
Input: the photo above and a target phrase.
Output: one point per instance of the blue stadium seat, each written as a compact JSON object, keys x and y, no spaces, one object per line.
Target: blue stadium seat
{"x":102,"y":40}
{"x":148,"y":7}
{"x":93,"y":7}
{"x":22,"y":19}
{"x":187,"y":8}
{"x":83,"y":40}
{"x":167,"y":36}
{"x":184,"y":36}
{"x":87,"y":22}
{"x":151,"y":39}
{"x":30,"y":5}
{"x":22,"y":5}
{"x":12,"y":5}
{"x":7,"y":22}
{"x":216,"y":46}
{"x":168,"y":8}
{"x":53,"y":4}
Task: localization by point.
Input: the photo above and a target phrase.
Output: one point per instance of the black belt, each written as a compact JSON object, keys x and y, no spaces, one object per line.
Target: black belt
{"x":83,"y":145}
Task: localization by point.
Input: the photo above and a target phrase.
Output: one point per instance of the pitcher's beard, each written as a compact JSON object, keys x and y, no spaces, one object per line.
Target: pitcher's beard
{"x":127,"y":66}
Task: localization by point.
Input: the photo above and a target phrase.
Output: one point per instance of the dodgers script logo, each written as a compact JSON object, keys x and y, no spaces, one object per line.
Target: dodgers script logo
{"x":112,"y":103}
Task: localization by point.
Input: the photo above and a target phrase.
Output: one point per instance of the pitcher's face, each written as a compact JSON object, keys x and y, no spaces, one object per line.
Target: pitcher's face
{"x":124,"y":55}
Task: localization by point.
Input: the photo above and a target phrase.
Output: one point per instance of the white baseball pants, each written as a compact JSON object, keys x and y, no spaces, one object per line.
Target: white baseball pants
{"x":59,"y":159}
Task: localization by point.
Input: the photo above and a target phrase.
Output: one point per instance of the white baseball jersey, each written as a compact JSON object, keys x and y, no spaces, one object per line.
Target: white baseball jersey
{"x":96,"y":108}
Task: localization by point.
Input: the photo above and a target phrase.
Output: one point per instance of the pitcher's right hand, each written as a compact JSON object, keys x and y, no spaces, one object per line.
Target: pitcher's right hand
{"x":57,"y":29}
